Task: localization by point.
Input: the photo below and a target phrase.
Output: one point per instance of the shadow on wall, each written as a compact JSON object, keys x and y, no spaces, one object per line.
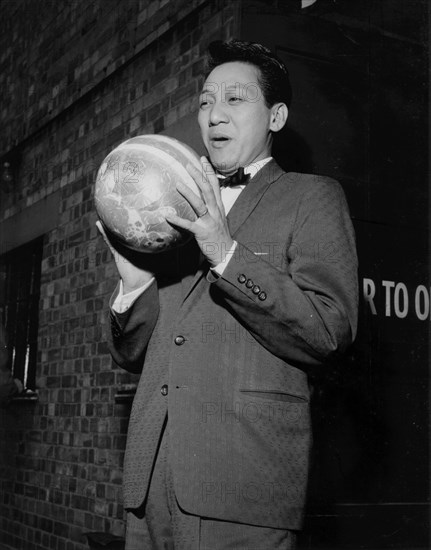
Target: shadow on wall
{"x":292,"y":152}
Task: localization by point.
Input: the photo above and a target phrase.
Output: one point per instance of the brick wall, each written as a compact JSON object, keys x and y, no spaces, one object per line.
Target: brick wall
{"x":76,"y":79}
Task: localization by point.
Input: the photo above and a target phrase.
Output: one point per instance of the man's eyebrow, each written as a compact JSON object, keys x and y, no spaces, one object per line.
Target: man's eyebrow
{"x":208,"y":91}
{"x":212,"y":89}
{"x":235,"y":86}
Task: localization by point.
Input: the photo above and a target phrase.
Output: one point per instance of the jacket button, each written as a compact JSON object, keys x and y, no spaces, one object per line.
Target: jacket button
{"x":262,"y":295}
{"x":164,"y":390}
{"x":249,"y":283}
{"x":242,"y":278}
{"x":256,"y":289}
{"x":179,"y":340}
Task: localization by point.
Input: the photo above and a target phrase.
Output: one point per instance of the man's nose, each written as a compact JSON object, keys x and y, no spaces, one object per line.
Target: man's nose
{"x":218,"y":113}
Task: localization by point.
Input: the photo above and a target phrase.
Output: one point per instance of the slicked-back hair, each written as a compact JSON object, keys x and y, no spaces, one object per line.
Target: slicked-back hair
{"x":273,"y":76}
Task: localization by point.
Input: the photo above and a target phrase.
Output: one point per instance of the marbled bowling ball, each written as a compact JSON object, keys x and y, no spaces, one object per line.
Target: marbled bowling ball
{"x":136,"y":186}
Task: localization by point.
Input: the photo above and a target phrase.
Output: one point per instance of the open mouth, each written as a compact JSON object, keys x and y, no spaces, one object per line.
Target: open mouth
{"x":219,"y":141}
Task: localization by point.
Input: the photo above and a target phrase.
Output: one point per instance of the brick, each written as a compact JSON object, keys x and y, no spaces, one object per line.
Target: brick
{"x":64,"y":463}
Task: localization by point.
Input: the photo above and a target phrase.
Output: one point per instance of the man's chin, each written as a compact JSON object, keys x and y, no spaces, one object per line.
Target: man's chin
{"x":224,"y":166}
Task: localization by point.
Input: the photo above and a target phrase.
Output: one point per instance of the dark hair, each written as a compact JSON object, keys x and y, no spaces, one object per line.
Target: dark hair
{"x":273,"y":78}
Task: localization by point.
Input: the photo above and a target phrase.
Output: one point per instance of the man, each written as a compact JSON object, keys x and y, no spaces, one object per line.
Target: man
{"x":219,"y":434}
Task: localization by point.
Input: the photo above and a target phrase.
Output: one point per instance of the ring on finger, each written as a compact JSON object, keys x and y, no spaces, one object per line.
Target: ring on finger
{"x":203,"y":213}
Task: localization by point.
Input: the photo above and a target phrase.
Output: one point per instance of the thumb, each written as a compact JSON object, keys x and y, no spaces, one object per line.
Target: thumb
{"x":103,"y":233}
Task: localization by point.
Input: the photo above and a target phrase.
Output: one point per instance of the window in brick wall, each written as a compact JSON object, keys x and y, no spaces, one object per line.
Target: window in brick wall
{"x":20,"y":292}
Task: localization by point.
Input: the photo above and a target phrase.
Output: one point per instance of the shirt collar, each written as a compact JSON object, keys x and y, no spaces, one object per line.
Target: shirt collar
{"x":252,"y":168}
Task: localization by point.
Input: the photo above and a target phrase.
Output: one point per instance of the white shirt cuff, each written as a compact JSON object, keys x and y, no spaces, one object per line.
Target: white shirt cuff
{"x":219,"y":268}
{"x":124,"y":301}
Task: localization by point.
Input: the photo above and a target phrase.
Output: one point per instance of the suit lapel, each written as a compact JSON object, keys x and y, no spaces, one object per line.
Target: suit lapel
{"x":240,"y":211}
{"x":251,"y":195}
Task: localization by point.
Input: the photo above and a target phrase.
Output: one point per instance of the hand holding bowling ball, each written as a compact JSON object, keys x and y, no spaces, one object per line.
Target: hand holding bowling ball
{"x":136,"y":188}
{"x":133,"y":274}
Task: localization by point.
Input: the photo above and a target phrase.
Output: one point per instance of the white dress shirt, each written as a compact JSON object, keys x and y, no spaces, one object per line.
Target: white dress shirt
{"x":228,"y":196}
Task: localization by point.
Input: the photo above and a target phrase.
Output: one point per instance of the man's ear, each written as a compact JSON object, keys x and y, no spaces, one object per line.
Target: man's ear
{"x":279,"y":114}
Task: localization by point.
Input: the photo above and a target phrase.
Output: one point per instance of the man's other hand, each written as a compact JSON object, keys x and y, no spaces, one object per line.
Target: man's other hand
{"x":133,"y":277}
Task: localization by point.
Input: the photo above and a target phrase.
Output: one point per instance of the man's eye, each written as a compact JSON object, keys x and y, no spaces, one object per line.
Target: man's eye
{"x":203,"y":102}
{"x":235,"y":99}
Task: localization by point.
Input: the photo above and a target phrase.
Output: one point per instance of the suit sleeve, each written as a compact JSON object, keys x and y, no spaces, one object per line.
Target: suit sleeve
{"x":305,"y":312}
{"x":131,"y":331}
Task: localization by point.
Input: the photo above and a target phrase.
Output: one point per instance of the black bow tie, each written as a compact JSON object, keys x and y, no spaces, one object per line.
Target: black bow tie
{"x":238,"y":178}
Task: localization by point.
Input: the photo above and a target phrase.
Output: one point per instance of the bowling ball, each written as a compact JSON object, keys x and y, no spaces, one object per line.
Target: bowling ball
{"x":136,"y":186}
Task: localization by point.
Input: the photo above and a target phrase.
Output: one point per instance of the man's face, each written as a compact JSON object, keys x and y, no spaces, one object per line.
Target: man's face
{"x":233,"y":117}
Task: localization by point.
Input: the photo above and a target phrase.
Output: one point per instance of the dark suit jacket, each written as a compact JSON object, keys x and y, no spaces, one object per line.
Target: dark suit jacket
{"x":235,"y":351}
